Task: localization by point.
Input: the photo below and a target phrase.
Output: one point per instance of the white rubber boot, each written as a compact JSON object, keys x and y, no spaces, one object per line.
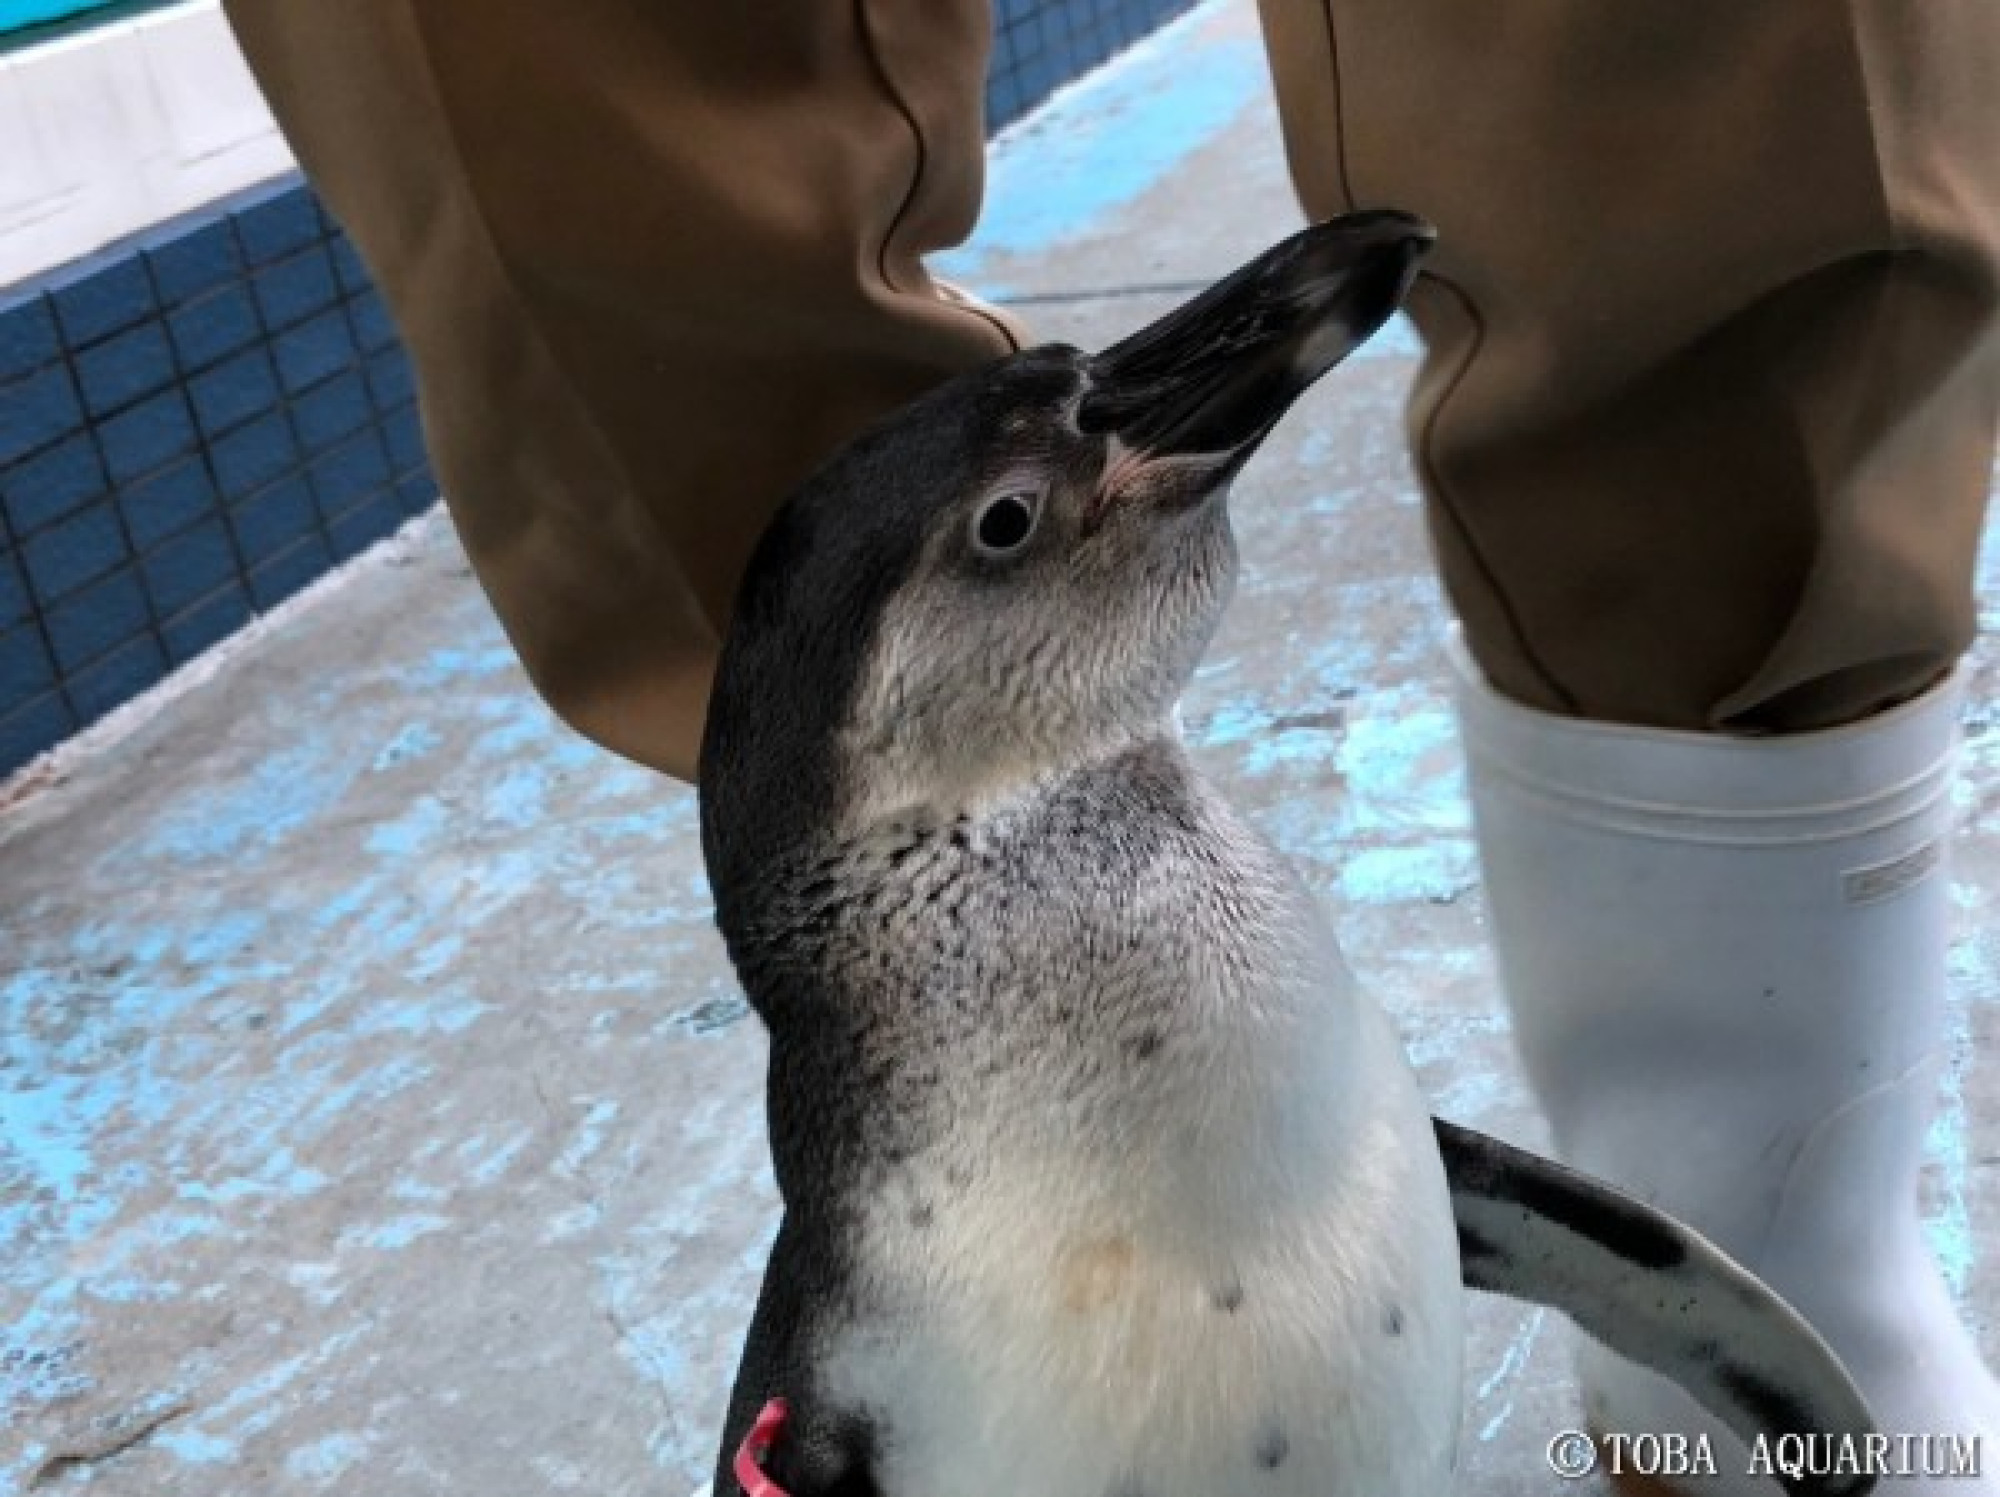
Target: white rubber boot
{"x":1726,"y":964}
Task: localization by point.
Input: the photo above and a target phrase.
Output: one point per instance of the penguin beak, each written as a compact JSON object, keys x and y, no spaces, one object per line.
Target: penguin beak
{"x":1210,"y":379}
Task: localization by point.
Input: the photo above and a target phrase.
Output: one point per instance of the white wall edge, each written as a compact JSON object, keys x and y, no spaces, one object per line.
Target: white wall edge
{"x":114,"y":129}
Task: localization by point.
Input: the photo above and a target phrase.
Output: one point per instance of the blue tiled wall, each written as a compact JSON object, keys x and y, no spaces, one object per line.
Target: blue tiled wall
{"x":192,"y":427}
{"x":1039,"y":45}
{"x":198,"y":423}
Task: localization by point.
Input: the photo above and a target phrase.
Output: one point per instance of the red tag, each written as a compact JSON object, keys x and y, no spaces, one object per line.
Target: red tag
{"x":756,"y":1448}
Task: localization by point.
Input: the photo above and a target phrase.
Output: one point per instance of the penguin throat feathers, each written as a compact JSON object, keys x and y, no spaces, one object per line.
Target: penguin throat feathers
{"x":889,"y":785}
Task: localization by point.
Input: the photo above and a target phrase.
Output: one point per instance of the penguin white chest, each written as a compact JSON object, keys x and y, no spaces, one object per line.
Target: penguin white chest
{"x":1263,"y":1296}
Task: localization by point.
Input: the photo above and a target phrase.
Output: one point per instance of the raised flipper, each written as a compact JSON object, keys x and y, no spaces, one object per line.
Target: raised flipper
{"x":1653,"y":1290}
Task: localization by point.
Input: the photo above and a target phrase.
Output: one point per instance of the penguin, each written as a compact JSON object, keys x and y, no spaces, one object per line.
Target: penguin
{"x":1101,"y":1176}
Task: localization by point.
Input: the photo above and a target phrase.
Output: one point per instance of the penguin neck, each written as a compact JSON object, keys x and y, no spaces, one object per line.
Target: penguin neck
{"x":889,"y":793}
{"x":882,"y":820}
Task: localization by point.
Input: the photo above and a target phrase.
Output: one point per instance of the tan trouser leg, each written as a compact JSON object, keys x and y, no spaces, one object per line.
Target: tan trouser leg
{"x":654,"y":260}
{"x":1707,"y":422}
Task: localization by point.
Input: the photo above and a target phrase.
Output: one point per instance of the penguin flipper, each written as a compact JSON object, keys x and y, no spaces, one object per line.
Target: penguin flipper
{"x":1651,"y":1289}
{"x":820,"y":1451}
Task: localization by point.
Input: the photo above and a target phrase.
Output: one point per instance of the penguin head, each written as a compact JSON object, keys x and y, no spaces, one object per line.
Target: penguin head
{"x":1019,"y":572}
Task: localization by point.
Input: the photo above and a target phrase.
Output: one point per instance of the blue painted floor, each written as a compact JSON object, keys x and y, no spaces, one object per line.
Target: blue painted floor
{"x":377,"y":1113}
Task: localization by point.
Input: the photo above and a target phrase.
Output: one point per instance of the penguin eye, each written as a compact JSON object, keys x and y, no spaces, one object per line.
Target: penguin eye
{"x":1005,"y":522}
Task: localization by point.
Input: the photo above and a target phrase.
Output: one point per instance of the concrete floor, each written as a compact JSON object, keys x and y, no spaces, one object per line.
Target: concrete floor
{"x":377,"y":1112}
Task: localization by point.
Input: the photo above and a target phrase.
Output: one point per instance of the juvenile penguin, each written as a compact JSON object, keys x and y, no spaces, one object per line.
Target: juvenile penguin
{"x":1101,"y":1178}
